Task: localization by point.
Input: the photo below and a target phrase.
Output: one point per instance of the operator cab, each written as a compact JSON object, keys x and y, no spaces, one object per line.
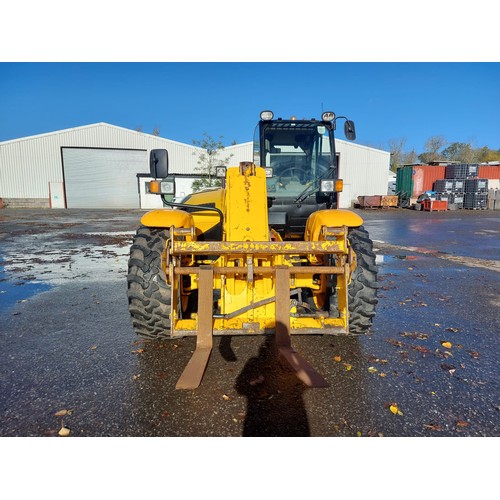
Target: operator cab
{"x":301,"y":167}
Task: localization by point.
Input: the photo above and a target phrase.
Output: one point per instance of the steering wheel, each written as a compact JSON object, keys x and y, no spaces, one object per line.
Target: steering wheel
{"x":292,"y":172}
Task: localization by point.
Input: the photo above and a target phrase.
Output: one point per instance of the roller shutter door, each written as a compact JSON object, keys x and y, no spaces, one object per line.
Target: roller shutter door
{"x":102,"y":178}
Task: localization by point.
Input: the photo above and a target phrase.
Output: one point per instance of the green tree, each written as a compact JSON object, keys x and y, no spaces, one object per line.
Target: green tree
{"x":209,"y":157}
{"x":486,"y":154}
{"x":462,"y":152}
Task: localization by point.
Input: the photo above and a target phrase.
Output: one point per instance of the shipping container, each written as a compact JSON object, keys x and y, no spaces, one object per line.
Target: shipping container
{"x":413,"y":180}
{"x":488,"y":172}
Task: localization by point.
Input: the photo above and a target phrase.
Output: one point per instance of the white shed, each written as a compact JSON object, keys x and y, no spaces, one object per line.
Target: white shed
{"x":93,"y":166}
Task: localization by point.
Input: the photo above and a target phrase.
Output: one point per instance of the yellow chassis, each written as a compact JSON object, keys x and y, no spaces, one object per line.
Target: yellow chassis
{"x":258,"y":278}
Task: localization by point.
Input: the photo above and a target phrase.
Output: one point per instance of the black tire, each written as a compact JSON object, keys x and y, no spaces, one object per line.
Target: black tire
{"x":363,"y":287}
{"x":148,"y":292}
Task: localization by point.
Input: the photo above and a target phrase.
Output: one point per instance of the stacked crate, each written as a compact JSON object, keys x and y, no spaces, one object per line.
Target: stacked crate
{"x":476,"y":194}
{"x":460,"y":187}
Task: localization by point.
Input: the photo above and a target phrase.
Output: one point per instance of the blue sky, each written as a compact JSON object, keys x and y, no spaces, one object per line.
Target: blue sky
{"x":387,"y":101}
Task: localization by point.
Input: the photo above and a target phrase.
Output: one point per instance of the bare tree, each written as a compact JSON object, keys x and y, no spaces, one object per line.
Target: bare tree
{"x":432,"y":147}
{"x":410,"y":157}
{"x":396,"y":147}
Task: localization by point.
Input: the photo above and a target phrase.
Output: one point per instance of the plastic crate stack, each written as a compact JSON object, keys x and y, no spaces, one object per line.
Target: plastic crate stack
{"x":476,"y":194}
{"x":462,"y":188}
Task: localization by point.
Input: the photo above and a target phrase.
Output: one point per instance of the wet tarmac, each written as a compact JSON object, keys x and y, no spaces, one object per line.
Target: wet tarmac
{"x":69,"y":356}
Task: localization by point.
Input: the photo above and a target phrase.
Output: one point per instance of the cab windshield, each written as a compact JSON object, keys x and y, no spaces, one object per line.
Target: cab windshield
{"x":299,"y":154}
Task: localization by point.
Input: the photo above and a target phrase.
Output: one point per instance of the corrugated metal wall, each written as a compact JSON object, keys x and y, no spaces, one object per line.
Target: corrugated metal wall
{"x":28,"y":165}
{"x":364,"y":171}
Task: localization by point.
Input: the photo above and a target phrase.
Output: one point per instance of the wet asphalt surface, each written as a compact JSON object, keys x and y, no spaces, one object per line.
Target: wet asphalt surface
{"x":429,"y":367}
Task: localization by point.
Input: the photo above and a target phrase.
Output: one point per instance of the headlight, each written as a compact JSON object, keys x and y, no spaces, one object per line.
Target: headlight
{"x":266,"y":115}
{"x":331,"y":185}
{"x":328,"y":116}
{"x":162,"y":187}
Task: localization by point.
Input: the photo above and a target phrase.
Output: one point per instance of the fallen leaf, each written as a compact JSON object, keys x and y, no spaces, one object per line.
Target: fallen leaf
{"x":138,"y":351}
{"x":461,"y":423}
{"x":359,"y":434}
{"x":420,"y":348}
{"x":433,"y":427}
{"x":225,"y":397}
{"x":382,"y":374}
{"x":64,"y":431}
{"x":474,"y":354}
{"x":338,"y":359}
{"x":451,"y":329}
{"x":446,"y":344}
{"x":393,"y":342}
{"x":394,"y":409}
{"x":348,"y":366}
{"x":62,"y":413}
{"x":415,"y":335}
{"x":372,"y":369}
{"x":447,"y":367}
{"x":421,"y":304}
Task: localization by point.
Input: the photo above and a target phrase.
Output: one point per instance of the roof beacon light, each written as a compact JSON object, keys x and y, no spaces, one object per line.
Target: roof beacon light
{"x":328,"y":116}
{"x":266,"y":115}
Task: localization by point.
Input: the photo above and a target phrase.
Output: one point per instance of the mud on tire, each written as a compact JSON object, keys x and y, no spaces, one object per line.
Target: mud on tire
{"x":148,"y":292}
{"x":363,"y":287}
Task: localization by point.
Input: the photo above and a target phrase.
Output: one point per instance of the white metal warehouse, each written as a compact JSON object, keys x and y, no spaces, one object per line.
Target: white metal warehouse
{"x":105,"y":166}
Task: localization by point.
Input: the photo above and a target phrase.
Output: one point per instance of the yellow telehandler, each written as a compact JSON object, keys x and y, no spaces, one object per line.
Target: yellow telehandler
{"x":268,"y":252}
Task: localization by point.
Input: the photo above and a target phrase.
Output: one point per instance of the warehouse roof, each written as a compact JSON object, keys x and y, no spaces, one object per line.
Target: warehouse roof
{"x":83,"y":127}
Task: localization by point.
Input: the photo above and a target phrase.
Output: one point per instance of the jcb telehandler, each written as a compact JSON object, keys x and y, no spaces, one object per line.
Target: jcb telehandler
{"x":268,"y":252}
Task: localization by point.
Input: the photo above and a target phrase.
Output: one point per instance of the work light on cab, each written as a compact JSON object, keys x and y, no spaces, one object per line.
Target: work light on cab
{"x":266,"y":115}
{"x":328,"y":116}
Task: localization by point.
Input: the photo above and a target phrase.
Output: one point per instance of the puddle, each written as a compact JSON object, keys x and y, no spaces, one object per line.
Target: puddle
{"x":14,"y":291}
{"x":386,"y":259}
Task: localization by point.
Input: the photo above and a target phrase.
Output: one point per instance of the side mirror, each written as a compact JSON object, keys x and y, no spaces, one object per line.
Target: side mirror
{"x":158,"y":163}
{"x":349,"y":130}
